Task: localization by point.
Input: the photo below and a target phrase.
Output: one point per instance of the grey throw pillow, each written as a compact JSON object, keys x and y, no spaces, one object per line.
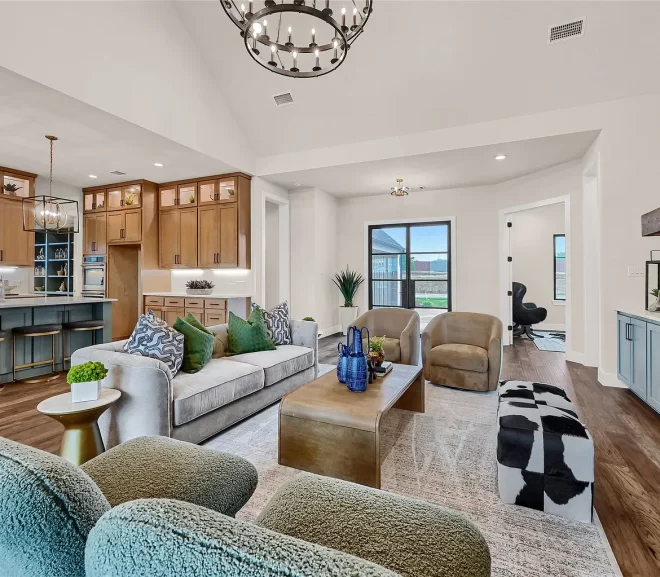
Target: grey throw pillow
{"x":277,"y":323}
{"x":154,"y":339}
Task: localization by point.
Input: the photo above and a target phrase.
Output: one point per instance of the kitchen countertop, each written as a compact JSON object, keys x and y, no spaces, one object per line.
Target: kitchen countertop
{"x":49,"y":301}
{"x":185,"y":294}
{"x":641,"y":313}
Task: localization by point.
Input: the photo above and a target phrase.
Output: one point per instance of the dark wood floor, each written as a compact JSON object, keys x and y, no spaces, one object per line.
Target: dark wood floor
{"x":625,"y":431}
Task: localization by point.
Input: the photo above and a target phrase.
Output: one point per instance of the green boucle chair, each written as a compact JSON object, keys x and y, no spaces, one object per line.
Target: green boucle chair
{"x":313,"y":527}
{"x":48,"y":506}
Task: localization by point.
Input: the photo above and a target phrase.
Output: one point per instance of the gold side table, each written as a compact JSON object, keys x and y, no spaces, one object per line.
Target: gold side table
{"x":82,"y":439}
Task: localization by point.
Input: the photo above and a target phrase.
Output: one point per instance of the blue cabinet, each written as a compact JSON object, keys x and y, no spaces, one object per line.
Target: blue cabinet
{"x":653,"y":367}
{"x":639,"y":357}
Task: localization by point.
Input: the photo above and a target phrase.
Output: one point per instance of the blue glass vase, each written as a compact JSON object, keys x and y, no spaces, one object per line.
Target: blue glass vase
{"x":357,"y":373}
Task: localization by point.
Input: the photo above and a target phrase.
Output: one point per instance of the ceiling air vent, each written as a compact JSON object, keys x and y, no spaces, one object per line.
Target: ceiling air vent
{"x":284,"y":99}
{"x":118,"y":172}
{"x":566,"y":31}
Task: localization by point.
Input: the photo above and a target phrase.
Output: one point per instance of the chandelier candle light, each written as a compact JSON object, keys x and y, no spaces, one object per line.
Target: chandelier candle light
{"x":316,"y":54}
{"x":399,"y":189}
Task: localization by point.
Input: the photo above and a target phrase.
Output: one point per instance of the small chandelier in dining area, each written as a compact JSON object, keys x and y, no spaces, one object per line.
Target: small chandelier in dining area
{"x":299,"y":38}
{"x":48,"y":213}
{"x":399,"y":189}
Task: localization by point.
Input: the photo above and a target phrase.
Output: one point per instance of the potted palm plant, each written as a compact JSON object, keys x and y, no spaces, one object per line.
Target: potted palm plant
{"x":348,"y":282}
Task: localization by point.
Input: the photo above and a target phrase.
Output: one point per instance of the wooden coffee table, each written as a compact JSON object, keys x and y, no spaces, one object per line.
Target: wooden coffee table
{"x":326,"y":429}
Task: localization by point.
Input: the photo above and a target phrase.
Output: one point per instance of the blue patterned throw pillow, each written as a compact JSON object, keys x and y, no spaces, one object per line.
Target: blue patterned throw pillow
{"x":277,"y":323}
{"x":154,"y":339}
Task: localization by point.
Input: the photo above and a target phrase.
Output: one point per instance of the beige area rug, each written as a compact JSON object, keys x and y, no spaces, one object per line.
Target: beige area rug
{"x":447,"y":456}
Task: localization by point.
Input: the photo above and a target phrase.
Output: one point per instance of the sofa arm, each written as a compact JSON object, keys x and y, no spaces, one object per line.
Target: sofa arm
{"x":161,"y":537}
{"x":431,"y":337}
{"x":410,"y":537}
{"x":159,"y":467}
{"x":306,"y":334}
{"x":410,"y":342}
{"x":145,"y":405}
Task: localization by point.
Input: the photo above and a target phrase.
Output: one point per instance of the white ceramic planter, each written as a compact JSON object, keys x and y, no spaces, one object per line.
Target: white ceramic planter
{"x":88,"y":391}
{"x":199,"y":291}
{"x":347,"y":316}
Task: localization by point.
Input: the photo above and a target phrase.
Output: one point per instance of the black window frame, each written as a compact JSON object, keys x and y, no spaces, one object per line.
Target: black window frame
{"x":406,"y":293}
{"x":554,"y":266}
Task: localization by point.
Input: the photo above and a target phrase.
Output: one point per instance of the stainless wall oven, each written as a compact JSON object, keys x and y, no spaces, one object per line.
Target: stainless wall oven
{"x":94,"y":270}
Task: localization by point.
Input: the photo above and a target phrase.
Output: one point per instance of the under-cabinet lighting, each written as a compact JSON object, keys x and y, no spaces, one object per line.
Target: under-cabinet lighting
{"x":7,"y":268}
{"x":187,"y":272}
{"x":230,"y":271}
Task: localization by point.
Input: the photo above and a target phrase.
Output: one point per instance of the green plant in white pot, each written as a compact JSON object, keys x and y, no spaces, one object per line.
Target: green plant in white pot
{"x":348,"y":282}
{"x":85,"y":381}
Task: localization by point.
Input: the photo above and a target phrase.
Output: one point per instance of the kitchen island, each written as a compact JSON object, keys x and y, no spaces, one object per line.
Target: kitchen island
{"x":20,"y":311}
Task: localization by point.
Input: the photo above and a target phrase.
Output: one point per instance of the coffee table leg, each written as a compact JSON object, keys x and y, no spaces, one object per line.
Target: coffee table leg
{"x":414,"y":397}
{"x":330,"y":450}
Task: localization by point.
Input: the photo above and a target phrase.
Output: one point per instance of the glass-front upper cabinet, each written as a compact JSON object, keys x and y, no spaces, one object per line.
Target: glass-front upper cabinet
{"x":187,"y":194}
{"x":167,"y":196}
{"x":124,"y":197}
{"x":94,"y":201}
{"x":15,"y":184}
{"x":218,"y":190}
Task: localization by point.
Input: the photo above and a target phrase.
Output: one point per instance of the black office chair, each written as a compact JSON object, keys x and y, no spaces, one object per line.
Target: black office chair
{"x":525,"y":314}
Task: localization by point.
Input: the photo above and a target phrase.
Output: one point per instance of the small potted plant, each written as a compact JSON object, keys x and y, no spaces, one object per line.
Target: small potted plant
{"x":377,"y":350}
{"x":199,"y":287}
{"x":348,"y":282}
{"x":309,"y":319}
{"x":85,"y":381}
{"x":191,"y":199}
{"x":11,"y":189}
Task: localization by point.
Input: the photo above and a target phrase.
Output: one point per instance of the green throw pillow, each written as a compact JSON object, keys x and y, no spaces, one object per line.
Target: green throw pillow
{"x":192,"y":320}
{"x":197,"y":346}
{"x":248,"y":336}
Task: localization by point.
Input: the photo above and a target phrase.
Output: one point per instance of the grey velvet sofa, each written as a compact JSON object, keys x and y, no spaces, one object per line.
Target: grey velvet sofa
{"x":194,"y":407}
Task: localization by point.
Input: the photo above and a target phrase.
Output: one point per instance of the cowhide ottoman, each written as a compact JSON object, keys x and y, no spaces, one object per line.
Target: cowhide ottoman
{"x":545,"y":456}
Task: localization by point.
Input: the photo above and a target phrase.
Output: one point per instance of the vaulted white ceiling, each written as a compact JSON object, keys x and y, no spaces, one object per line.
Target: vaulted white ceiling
{"x":423,"y":65}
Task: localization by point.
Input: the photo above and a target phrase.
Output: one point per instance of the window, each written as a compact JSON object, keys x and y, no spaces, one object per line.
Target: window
{"x":410,"y":266}
{"x":559,"y":266}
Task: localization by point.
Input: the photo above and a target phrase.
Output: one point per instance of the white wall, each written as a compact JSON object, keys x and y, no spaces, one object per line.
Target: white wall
{"x":314,"y":240}
{"x":135,"y":60}
{"x":533,"y":256}
{"x":272,"y":256}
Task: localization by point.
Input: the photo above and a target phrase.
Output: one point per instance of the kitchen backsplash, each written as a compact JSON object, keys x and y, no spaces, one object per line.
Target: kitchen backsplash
{"x":227,"y":281}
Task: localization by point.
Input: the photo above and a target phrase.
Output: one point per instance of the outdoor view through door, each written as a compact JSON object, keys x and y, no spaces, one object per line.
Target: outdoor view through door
{"x":411,"y":267}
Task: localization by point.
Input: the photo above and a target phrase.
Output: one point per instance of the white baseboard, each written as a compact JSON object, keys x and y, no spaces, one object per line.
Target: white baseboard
{"x":610,"y":380}
{"x":575,"y":357}
{"x":330,"y":331}
{"x":549,"y":327}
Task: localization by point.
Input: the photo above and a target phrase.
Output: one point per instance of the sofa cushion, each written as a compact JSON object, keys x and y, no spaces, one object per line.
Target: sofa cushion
{"x":461,"y":357}
{"x":284,"y":361}
{"x":219,"y":383}
{"x":197,"y":346}
{"x":248,"y":336}
{"x":154,"y":339}
{"x":392,"y":349}
{"x":277,"y":323}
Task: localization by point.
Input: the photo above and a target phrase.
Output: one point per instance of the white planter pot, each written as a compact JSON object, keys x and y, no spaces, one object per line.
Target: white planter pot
{"x":88,"y":391}
{"x":347,"y":316}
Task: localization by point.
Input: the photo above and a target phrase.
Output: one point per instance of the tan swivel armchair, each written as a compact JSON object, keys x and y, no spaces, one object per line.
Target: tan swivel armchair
{"x":401,"y":329}
{"x":463,"y":350}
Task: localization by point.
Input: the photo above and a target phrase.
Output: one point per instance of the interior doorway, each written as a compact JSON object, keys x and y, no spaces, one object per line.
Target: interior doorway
{"x":409,"y":266}
{"x":535,"y":273}
{"x":272,"y":260}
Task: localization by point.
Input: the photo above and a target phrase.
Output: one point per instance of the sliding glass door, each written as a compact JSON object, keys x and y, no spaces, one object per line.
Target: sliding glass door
{"x":410,"y":266}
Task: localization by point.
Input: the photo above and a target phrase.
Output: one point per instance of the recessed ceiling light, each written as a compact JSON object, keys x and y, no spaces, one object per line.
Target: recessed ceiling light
{"x":159,"y":164}
{"x":296,"y":184}
{"x":92,"y":176}
{"x":500,"y":157}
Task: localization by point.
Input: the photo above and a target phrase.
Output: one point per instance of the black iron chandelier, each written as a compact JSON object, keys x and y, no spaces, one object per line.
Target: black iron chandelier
{"x":295,"y":37}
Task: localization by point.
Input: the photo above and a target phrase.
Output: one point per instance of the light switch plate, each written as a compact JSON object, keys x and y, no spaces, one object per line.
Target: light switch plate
{"x":635,"y":271}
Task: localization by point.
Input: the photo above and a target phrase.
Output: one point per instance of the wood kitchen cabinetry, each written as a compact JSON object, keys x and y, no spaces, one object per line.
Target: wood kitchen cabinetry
{"x":208,"y":311}
{"x":16,"y":245}
{"x":94,"y":233}
{"x":222,"y":232}
{"x":124,"y":226}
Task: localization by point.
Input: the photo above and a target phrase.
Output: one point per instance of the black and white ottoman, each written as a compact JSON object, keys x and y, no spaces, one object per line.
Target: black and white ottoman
{"x":545,"y":455}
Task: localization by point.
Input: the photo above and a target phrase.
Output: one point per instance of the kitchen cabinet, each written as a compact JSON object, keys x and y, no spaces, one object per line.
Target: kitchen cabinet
{"x":94,"y":233}
{"x":124,"y":197}
{"x":16,"y":245}
{"x":94,"y":201}
{"x":208,"y":311}
{"x":178,"y":238}
{"x":124,"y":227}
{"x":638,"y":363}
{"x":16,"y":183}
{"x":222,"y":236}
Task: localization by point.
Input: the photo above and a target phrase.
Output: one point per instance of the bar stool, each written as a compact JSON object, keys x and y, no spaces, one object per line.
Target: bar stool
{"x":3,"y":336}
{"x":80,"y":326}
{"x":32,"y":332}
